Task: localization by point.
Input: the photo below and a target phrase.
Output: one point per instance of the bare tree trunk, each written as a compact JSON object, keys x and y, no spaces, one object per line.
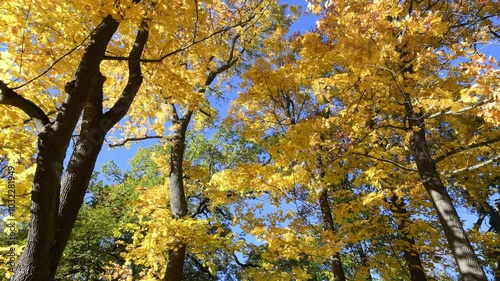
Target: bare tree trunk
{"x":464,"y":255}
{"x":410,"y":253}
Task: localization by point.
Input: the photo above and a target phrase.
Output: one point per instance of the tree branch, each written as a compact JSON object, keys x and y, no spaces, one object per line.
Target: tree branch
{"x":494,"y":33}
{"x":464,"y":148}
{"x":193,"y":42}
{"x":387,"y":161}
{"x":470,"y":168}
{"x":206,"y":113}
{"x":244,"y":264}
{"x":133,"y":139}
{"x":26,"y":121}
{"x":56,"y":61}
{"x":122,"y":105}
{"x":229,"y":62}
{"x":458,"y":112}
{"x":202,"y":206}
{"x":10,"y":97}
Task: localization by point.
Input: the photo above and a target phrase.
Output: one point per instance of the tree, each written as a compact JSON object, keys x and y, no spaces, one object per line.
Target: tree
{"x":204,"y":231}
{"x":110,"y":52}
{"x":397,"y":84}
{"x":383,"y":89}
{"x":363,"y":136}
{"x":280,"y":112}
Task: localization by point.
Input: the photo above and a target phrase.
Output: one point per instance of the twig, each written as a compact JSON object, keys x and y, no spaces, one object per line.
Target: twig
{"x":160,"y":59}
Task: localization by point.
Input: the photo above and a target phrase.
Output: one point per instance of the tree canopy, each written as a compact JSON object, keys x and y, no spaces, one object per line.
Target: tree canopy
{"x":352,"y":151}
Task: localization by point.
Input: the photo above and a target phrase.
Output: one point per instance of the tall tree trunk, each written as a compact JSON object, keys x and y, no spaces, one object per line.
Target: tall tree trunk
{"x":178,"y":204}
{"x":410,"y":253}
{"x":326,"y":213}
{"x":464,"y":255}
{"x":56,"y":199}
{"x":38,"y":262}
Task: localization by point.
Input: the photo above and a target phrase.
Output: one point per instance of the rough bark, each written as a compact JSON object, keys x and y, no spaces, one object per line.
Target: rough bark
{"x":326,"y":213}
{"x":56,"y":199}
{"x":178,"y":204}
{"x":467,"y":261}
{"x":35,"y":262}
{"x":410,"y":253}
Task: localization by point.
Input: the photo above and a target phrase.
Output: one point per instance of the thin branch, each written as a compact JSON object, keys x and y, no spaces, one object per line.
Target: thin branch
{"x":464,"y":148}
{"x":458,"y":112}
{"x":56,"y":61}
{"x":28,"y":13}
{"x":399,"y":165}
{"x":206,"y":113}
{"x":160,"y":59}
{"x":473,"y":21}
{"x":480,"y":219}
{"x":470,"y":168}
{"x":229,"y":62}
{"x":196,"y":23}
{"x":123,"y":142}
{"x":202,"y":206}
{"x":200,"y":265}
{"x":9,"y":97}
{"x":494,"y":33}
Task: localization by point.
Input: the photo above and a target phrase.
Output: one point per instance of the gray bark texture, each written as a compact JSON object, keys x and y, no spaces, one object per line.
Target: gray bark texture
{"x":468,"y":264}
{"x":58,"y":194}
{"x":178,"y":204}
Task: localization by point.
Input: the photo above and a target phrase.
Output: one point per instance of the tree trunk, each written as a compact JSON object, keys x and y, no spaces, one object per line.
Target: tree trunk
{"x":39,"y":259}
{"x":410,"y":252}
{"x":178,"y":204}
{"x":326,"y":213}
{"x":464,"y":255}
{"x":56,"y":200}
